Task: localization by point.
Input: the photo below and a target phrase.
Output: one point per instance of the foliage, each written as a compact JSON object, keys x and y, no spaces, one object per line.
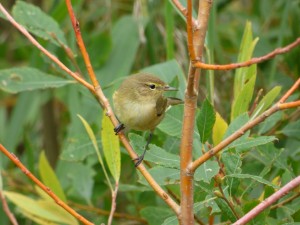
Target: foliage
{"x":247,"y":171}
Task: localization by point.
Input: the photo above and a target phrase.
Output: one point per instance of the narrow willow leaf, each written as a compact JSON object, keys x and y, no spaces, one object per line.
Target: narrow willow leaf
{"x":111,"y":147}
{"x":255,"y":178}
{"x":15,"y":80}
{"x":247,"y":46}
{"x":244,"y":79}
{"x":206,"y":120}
{"x":226,"y":210}
{"x":219,"y":129}
{"x":155,"y":154}
{"x":94,"y":141}
{"x":41,"y":209}
{"x":242,"y":101}
{"x":49,"y":177}
{"x":38,"y":22}
{"x":267,"y":101}
{"x":253,"y":142}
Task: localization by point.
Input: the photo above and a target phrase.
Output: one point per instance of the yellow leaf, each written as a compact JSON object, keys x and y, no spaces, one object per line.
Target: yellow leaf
{"x":219,"y":129}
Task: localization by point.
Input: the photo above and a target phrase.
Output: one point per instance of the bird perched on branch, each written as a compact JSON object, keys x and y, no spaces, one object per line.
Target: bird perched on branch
{"x":140,"y":104}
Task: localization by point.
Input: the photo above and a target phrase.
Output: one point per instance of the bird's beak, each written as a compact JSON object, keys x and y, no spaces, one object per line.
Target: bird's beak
{"x":168,"y":88}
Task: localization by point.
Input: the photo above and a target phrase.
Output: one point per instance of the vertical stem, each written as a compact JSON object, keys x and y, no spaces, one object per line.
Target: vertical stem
{"x":195,"y":44}
{"x":169,"y":20}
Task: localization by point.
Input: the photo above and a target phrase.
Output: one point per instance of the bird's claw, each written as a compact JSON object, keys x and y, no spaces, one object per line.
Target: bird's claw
{"x":118,"y":128}
{"x":138,"y":160}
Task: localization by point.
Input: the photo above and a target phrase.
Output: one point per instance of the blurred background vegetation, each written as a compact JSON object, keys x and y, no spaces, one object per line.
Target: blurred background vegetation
{"x":124,"y":37}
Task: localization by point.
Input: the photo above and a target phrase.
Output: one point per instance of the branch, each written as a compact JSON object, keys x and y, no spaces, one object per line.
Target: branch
{"x":250,"y":62}
{"x":105,"y":104}
{"x":184,"y":11}
{"x":196,"y":40}
{"x":278,"y":106}
{"x":5,"y":207}
{"x":270,"y":200}
{"x":109,"y":112}
{"x":81,"y":45}
{"x":59,"y":202}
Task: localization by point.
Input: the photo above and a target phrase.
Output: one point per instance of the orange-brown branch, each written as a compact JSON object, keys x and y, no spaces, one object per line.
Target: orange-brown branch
{"x":250,"y":62}
{"x":105,"y":104}
{"x":17,"y":162}
{"x":81,"y":45}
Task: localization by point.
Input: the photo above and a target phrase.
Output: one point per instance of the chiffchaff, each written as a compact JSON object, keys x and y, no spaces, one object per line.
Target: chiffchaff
{"x":140,"y":105}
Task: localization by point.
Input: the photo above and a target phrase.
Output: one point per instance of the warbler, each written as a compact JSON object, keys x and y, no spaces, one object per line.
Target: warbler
{"x":140,"y":105}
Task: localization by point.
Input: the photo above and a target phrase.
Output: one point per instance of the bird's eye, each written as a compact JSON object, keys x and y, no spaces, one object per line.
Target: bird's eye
{"x":152,"y":86}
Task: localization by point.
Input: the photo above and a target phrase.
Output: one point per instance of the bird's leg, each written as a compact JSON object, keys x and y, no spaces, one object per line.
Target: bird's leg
{"x":140,"y":159}
{"x":118,"y":128}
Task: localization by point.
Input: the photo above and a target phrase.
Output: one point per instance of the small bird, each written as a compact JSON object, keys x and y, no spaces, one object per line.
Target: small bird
{"x":140,"y":105}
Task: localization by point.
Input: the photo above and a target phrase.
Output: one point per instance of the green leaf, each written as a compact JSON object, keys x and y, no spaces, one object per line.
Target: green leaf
{"x":237,"y":124}
{"x":292,"y":130}
{"x":172,"y":123}
{"x":94,"y":141}
{"x":253,"y":142}
{"x":267,"y":100}
{"x":49,"y":178}
{"x":163,"y":176}
{"x":173,"y":220}
{"x":38,"y":22}
{"x":27,"y":79}
{"x":270,"y":122}
{"x":242,"y":101}
{"x":206,"y":120}
{"x":225,"y":209}
{"x":77,"y":148}
{"x":155,"y":154}
{"x":155,"y":215}
{"x":234,"y":126}
{"x":78,"y":179}
{"x":207,"y":171}
{"x":255,"y":178}
{"x":111,"y":147}
{"x":125,"y":42}
{"x":244,"y":74}
{"x":232,"y":163}
{"x":43,"y":210}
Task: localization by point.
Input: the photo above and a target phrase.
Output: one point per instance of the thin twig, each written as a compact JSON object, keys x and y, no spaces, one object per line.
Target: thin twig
{"x":183,"y":10}
{"x":106,"y":213}
{"x":7,"y":211}
{"x":113,"y":203}
{"x":270,"y":200}
{"x":250,"y":62}
{"x":59,"y":202}
{"x":288,"y":200}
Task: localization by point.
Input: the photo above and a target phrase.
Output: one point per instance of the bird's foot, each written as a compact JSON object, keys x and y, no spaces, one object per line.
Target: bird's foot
{"x":118,"y":128}
{"x":138,"y":160}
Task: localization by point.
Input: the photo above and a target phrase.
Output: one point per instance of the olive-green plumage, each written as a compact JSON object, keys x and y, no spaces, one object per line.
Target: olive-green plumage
{"x":139,"y":102}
